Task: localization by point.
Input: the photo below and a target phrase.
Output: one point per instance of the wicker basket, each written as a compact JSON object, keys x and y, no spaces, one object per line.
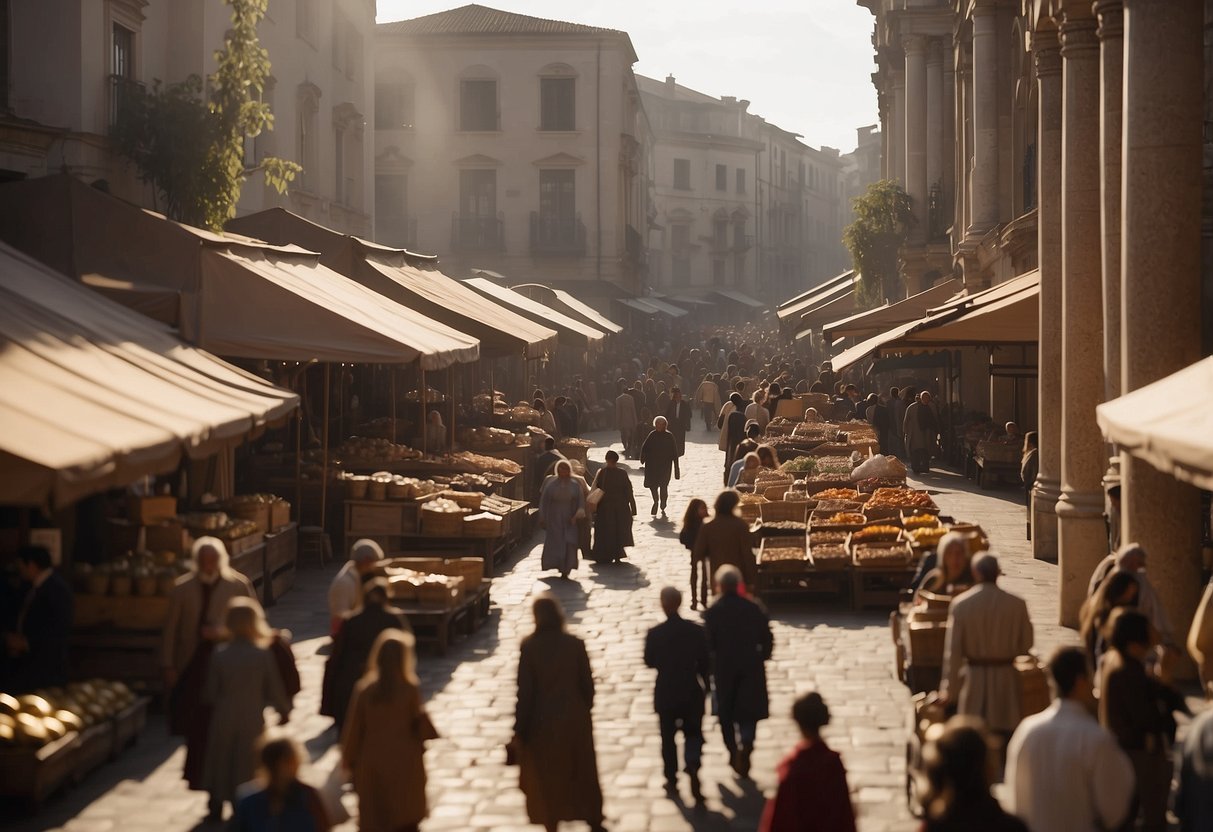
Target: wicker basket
{"x":768,"y":480}
{"x":376,"y":490}
{"x":483,"y":525}
{"x":775,"y":512}
{"x":465,"y":499}
{"x":750,"y":512}
{"x":1033,"y":685}
{"x":356,"y":488}
{"x":443,"y":523}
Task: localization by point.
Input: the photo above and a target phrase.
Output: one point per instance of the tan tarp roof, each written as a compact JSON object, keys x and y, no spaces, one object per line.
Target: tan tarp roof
{"x":790,"y":311}
{"x":837,"y":306}
{"x":874,"y":321}
{"x":239,"y":297}
{"x":569,"y":305}
{"x":664,"y":308}
{"x":1169,"y":423}
{"x":571,"y":331}
{"x":96,"y":395}
{"x":409,"y":279}
{"x":741,"y":298}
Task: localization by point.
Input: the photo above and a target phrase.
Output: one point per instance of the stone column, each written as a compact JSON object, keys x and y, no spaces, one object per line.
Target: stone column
{"x":960,"y":137}
{"x":984,"y":187}
{"x":1047,"y":59}
{"x":948,"y":153}
{"x":1082,"y":535}
{"x":1111,"y":65}
{"x":916,"y":132}
{"x":1160,"y":270}
{"x":897,"y":135}
{"x":935,"y":117}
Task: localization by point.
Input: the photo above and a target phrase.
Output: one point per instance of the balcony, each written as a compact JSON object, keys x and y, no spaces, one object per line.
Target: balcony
{"x":633,"y":247}
{"x":121,"y":90}
{"x":470,"y":232}
{"x":557,"y":235}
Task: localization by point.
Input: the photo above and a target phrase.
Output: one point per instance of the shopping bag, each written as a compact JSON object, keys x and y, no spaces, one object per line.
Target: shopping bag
{"x":594,"y":497}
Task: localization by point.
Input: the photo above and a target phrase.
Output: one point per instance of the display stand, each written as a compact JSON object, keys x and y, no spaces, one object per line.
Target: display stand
{"x":435,"y":627}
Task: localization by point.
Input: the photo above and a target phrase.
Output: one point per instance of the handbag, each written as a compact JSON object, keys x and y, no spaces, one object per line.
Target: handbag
{"x":594,"y":497}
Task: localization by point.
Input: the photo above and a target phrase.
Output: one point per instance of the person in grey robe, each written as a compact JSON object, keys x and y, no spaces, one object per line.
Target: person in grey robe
{"x":561,"y":504}
{"x":921,"y":431}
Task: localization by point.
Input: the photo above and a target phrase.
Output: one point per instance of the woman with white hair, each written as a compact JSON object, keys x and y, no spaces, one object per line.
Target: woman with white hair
{"x":561,"y":505}
{"x":659,"y":456}
{"x":194,"y":625}
{"x":244,"y":680}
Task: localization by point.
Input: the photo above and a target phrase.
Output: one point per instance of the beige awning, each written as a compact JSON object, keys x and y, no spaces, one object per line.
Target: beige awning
{"x":1169,"y":423}
{"x":836,"y":307}
{"x":569,"y":305}
{"x":239,"y":297}
{"x":571,"y":331}
{"x":97,"y":396}
{"x":409,"y":279}
{"x":875,"y":321}
{"x":790,"y":311}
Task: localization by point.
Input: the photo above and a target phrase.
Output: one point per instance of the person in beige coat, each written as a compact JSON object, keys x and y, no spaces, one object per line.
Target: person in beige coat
{"x":727,"y":539}
{"x":987,"y":629}
{"x":383,"y":742}
{"x":192,"y":628}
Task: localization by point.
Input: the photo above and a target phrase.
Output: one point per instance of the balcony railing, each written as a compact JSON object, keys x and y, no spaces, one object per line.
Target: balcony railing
{"x":553,"y":234}
{"x":121,"y":90}
{"x":476,"y":233}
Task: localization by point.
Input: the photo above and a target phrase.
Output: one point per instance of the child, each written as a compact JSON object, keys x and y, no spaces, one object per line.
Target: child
{"x":692,"y":521}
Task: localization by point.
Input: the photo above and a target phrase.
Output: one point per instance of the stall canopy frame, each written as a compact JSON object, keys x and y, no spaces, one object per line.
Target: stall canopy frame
{"x":570,"y":331}
{"x":571,"y":306}
{"x":874,"y":321}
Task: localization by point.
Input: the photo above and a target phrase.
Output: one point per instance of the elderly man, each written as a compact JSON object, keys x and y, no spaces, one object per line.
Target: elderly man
{"x":678,"y":415}
{"x":659,"y":456}
{"x":1131,"y":558}
{"x":678,"y":650}
{"x":625,"y":417}
{"x":345,"y":592}
{"x":1065,"y":773}
{"x":193,"y":627}
{"x":921,"y":431}
{"x":987,"y":629}
{"x":739,"y":633}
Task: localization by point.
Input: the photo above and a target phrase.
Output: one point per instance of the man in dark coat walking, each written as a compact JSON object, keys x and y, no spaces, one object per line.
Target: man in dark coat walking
{"x":678,"y":650}
{"x":352,"y":648}
{"x":739,"y":634}
{"x":659,"y":456}
{"x":678,"y":415}
{"x":36,"y":646}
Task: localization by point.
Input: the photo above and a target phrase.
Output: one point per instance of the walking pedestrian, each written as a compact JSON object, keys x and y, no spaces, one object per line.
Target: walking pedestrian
{"x":692,"y":522}
{"x":283,"y":803}
{"x":1119,"y":590}
{"x":659,"y":456}
{"x":957,"y":770}
{"x":678,"y":650}
{"x":352,"y":648}
{"x":726,"y":539}
{"x":383,"y":744}
{"x":37,"y":645}
{"x":614,"y":512}
{"x":812,"y":792}
{"x":345,"y":591}
{"x":561,"y":504}
{"x":626,"y":419}
{"x":732,"y":424}
{"x":193,"y":626}
{"x":988,"y":628}
{"x":678,"y":417}
{"x":244,"y":680}
{"x":553,"y":729}
{"x":707,"y":395}
{"x":953,"y":575}
{"x":1064,"y":772}
{"x":739,"y":633}
{"x":921,"y":431}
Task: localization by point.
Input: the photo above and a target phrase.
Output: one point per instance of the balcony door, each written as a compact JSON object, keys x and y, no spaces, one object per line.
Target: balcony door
{"x":477,"y":222}
{"x":557,"y":206}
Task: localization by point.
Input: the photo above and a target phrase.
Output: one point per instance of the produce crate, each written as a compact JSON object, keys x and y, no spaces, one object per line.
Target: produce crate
{"x":443,"y":523}
{"x":464,"y":499}
{"x":140,"y":613}
{"x":483,"y":525}
{"x":239,"y":545}
{"x":771,"y":512}
{"x":167,"y":536}
{"x":94,"y":748}
{"x":369,"y":518}
{"x":783,"y":564}
{"x":924,"y":643}
{"x":146,"y":510}
{"x":268,"y":516}
{"x":891,"y":555}
{"x":818,"y":518}
{"x":33,"y":774}
{"x":128,"y":724}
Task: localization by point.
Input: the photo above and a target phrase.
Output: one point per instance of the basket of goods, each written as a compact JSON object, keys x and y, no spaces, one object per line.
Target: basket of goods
{"x":823,"y":480}
{"x":782,"y":528}
{"x":975,"y":534}
{"x":925,"y":537}
{"x":876,"y":533}
{"x":470,"y":569}
{"x":835,"y":506}
{"x":356,"y":486}
{"x":839,"y":521}
{"x":463,"y":499}
{"x":896,"y":499}
{"x":830,"y":449}
{"x":829,"y":556}
{"x":772,"y":492}
{"x":488,"y":438}
{"x":443,"y":518}
{"x":402,"y":584}
{"x":781,"y":553}
{"x":771,"y":512}
{"x":869,"y":485}
{"x":439,"y":590}
{"x":848,"y":494}
{"x":919,"y":520}
{"x":780,"y":426}
{"x":483,"y":524}
{"x":793,"y":495}
{"x":827,"y":538}
{"x":574,"y":448}
{"x":377,"y":487}
{"x":369,"y":450}
{"x":750,"y":507}
{"x":479,"y":462}
{"x":799,"y":465}
{"x":522,"y":414}
{"x":881,"y":555}
{"x":887,"y":467}
{"x":269,"y":511}
{"x":473,"y":482}
{"x":401,"y":488}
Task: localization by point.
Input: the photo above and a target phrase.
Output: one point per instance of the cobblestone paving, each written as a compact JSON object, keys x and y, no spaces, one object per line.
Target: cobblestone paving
{"x":845,"y":655}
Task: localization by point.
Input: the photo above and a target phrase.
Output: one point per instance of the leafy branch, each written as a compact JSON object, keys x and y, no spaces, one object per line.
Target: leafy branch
{"x":883,"y":220}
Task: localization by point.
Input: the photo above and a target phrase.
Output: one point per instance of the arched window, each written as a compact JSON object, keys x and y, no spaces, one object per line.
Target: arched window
{"x":478,"y":108}
{"x":557,"y":98}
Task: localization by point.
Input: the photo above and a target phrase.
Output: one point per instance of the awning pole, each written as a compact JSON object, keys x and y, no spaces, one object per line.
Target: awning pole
{"x":393,"y":373}
{"x":324,"y":480}
{"x":425,"y":416}
{"x":299,"y":463}
{"x":450,"y":397}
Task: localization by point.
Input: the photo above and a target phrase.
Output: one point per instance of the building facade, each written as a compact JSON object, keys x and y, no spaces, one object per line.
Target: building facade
{"x":1067,"y":137}
{"x":861,"y":168}
{"x":515,"y":145}
{"x":740,"y":204}
{"x":69,"y":62}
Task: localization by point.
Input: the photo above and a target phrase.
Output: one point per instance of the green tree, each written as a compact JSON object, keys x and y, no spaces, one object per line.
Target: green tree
{"x":883,"y":219}
{"x":188,"y":143}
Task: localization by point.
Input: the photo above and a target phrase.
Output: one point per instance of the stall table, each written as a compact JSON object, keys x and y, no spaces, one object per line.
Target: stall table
{"x":879,"y":587}
{"x":435,"y":626}
{"x":281,"y":557}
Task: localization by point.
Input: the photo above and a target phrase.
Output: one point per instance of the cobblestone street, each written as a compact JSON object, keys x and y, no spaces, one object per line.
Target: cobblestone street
{"x":847,"y":656}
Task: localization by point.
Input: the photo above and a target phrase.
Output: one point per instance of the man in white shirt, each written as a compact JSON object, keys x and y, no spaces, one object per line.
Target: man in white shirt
{"x":345,"y":592}
{"x":1065,"y":773}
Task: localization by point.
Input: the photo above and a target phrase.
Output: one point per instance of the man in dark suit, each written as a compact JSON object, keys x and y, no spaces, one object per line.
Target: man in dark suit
{"x":739,"y":634}
{"x":678,"y":650}
{"x":37,"y":645}
{"x":678,"y":414}
{"x":352,"y":647}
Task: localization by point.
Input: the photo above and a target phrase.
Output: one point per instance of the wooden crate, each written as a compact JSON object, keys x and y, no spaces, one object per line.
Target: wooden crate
{"x":281,"y":558}
{"x":371,"y":518}
{"x":143,"y":511}
{"x":140,"y":613}
{"x":240,"y":545}
{"x":33,"y":774}
{"x":128,"y":724}
{"x":95,"y":745}
{"x":251,"y":564}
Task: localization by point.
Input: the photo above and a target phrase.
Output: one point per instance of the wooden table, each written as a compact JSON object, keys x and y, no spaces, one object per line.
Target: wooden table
{"x":825,"y":584}
{"x":435,"y":626}
{"x":879,"y":587}
{"x":281,"y":556}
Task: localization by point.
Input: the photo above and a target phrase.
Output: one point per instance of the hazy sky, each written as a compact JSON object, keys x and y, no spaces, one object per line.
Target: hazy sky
{"x":804,"y":64}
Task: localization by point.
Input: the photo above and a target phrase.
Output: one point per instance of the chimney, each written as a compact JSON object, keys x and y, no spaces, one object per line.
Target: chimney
{"x":671,"y":86}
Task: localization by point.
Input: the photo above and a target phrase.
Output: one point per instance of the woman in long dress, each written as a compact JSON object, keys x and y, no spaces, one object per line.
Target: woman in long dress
{"x":553,"y":729}
{"x":383,"y":744}
{"x":921,"y":430}
{"x":614,"y":513}
{"x":559,"y":503}
{"x":244,"y":680}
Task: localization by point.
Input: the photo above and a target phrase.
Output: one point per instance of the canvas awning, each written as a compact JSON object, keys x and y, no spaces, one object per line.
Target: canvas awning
{"x":664,"y":308}
{"x":410,"y":279}
{"x":569,"y":305}
{"x":790,"y":311}
{"x":691,"y":301}
{"x":639,"y":305}
{"x":1169,"y":423}
{"x":570,"y":331}
{"x":239,"y":297}
{"x":97,"y":396}
{"x":740,"y":298}
{"x":833,"y":309}
{"x":874,"y":321}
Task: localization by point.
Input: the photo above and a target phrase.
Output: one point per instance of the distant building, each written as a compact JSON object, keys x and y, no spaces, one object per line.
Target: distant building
{"x":740,"y":203}
{"x":513,"y":144}
{"x":69,"y":62}
{"x":860,"y":168}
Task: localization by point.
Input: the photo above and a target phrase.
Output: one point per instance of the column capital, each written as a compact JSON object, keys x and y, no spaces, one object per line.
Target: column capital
{"x":914,"y":44}
{"x":1046,"y":53}
{"x":934,"y":51}
{"x":1076,"y":27}
{"x":1111,"y":16}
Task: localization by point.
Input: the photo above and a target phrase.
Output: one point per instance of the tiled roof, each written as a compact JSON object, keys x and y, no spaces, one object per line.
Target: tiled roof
{"x":481,"y":20}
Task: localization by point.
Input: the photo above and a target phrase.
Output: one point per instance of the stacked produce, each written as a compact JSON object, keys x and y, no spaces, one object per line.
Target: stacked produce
{"x":37,"y":719}
{"x":488,"y":438}
{"x":876,"y":534}
{"x":876,"y":555}
{"x":142,"y":573}
{"x":925,"y":537}
{"x":800,"y":465}
{"x":488,"y":463}
{"x":830,"y":555}
{"x":901,"y":498}
{"x":848,"y":494}
{"x":364,"y":449}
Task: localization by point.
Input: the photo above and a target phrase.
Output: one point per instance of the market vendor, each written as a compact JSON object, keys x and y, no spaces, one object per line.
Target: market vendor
{"x":345,"y":592}
{"x":434,"y":441}
{"x":37,"y":645}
